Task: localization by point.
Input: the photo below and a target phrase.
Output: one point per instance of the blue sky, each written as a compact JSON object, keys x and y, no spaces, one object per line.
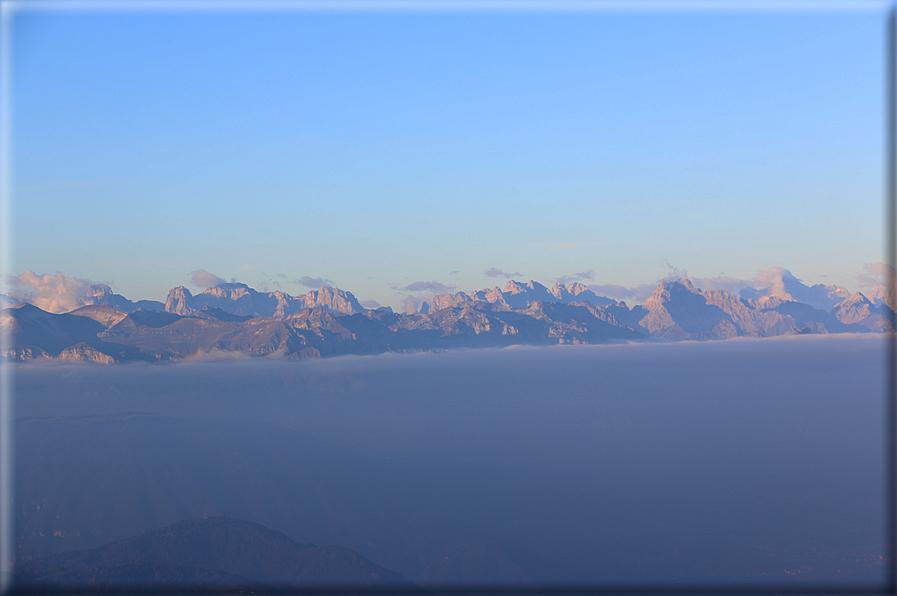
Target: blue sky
{"x":378,"y":149}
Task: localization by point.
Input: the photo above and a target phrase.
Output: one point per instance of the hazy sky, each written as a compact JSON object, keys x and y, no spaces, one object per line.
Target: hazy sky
{"x":377,"y":149}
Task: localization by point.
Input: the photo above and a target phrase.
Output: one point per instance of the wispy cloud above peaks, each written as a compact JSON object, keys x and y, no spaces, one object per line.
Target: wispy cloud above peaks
{"x":270,"y":285}
{"x":54,"y":293}
{"x":877,"y":274}
{"x":781,"y":283}
{"x":675,"y":273}
{"x":774,"y":280}
{"x":410,"y":304}
{"x":493,"y":272}
{"x":721,"y":282}
{"x":428,"y":286}
{"x":637,"y":294}
{"x":203,"y":279}
{"x":588,"y":274}
{"x":314,"y":283}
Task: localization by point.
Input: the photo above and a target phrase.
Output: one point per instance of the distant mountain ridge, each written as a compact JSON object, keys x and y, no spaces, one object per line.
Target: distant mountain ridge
{"x":240,"y":299}
{"x":520,"y":295}
{"x":233,"y":318}
{"x":783,"y":285}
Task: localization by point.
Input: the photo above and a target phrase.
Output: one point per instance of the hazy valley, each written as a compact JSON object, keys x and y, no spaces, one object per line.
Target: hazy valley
{"x":728,"y":463}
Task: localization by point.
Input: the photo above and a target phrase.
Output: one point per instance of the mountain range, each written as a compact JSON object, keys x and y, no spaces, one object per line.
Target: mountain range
{"x":232,"y":318}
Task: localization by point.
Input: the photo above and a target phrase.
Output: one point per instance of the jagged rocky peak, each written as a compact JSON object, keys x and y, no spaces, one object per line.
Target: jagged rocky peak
{"x":855,"y":299}
{"x":284,"y":304}
{"x":231,"y":291}
{"x":495,"y":295}
{"x":883,"y":294}
{"x":782,"y":284}
{"x":668,"y":288}
{"x":561,"y":293}
{"x":537,"y":306}
{"x":446,"y":300}
{"x":577,"y":288}
{"x":242,"y":300}
{"x":684,"y":281}
{"x":100,"y":294}
{"x":518,"y":295}
{"x":859,"y":310}
{"x":334,"y":299}
{"x":767,"y":302}
{"x":178,"y":301}
{"x":515,"y":287}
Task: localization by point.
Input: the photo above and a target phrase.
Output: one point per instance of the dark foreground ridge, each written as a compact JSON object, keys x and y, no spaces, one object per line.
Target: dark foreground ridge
{"x":233,"y":319}
{"x":211,"y":553}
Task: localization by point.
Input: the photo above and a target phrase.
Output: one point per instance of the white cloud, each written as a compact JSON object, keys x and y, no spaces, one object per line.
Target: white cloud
{"x":588,"y":274}
{"x":315,"y":282}
{"x":428,"y":286}
{"x":203,"y":279}
{"x":877,"y":274}
{"x":773,"y":280}
{"x":55,"y":293}
{"x":494,"y":272}
{"x":634,"y":295}
{"x":722,"y":282}
{"x":411,"y":304}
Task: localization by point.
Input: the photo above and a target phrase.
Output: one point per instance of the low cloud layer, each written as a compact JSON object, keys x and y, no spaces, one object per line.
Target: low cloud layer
{"x":314,"y":283}
{"x":635,"y":295}
{"x":203,"y":279}
{"x":493,"y":272}
{"x":586,"y":275}
{"x":721,"y":282}
{"x":428,"y":286}
{"x":54,"y":293}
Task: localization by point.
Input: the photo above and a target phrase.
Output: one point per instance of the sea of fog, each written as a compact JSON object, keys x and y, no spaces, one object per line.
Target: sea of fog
{"x":730,"y":463}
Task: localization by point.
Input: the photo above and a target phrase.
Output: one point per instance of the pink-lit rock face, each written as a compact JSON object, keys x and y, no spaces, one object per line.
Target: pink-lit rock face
{"x":232,"y":318}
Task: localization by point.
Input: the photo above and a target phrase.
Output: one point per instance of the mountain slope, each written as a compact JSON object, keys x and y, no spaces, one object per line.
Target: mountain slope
{"x":677,"y":310}
{"x":239,"y":299}
{"x":235,"y":319}
{"x":217,"y":550}
{"x":520,"y":295}
{"x":858,"y":313}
